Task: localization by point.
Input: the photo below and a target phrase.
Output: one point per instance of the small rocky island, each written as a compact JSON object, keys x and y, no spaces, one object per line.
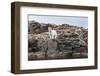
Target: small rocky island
{"x":71,"y":42}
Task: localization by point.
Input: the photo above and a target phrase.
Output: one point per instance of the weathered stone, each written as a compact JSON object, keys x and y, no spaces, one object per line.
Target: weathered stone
{"x":32,"y":56}
{"x":51,"y":54}
{"x":65,"y":54}
{"x":68,"y":44}
{"x":52,"y":44}
{"x":40,"y":55}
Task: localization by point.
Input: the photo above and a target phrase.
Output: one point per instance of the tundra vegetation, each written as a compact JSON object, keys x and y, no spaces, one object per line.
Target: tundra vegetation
{"x":51,"y":41}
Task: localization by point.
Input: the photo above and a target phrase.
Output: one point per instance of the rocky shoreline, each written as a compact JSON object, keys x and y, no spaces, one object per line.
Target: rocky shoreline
{"x":70,"y":43}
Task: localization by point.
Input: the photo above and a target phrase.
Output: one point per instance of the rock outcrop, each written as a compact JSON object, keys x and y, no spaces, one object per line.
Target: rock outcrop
{"x":70,"y":43}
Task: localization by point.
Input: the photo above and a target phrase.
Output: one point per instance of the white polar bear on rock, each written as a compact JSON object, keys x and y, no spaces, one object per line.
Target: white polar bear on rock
{"x":52,"y":33}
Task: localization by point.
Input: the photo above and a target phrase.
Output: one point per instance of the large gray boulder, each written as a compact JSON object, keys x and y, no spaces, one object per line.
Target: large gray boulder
{"x":52,"y":49}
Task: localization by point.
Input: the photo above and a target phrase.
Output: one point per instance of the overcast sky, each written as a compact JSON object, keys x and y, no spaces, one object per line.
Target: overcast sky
{"x":78,"y":21}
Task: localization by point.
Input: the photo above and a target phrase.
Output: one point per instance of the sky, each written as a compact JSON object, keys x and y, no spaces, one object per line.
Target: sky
{"x":72,"y":20}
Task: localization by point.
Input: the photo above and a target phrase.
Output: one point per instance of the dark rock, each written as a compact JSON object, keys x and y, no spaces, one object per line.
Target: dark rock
{"x":32,"y":56}
{"x":52,"y":54}
{"x":40,"y":55}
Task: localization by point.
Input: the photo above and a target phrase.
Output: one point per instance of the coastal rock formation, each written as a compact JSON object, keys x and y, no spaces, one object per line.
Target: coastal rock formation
{"x":71,"y":41}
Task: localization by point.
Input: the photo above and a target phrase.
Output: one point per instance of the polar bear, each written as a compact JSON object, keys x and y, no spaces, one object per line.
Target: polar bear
{"x":52,"y":33}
